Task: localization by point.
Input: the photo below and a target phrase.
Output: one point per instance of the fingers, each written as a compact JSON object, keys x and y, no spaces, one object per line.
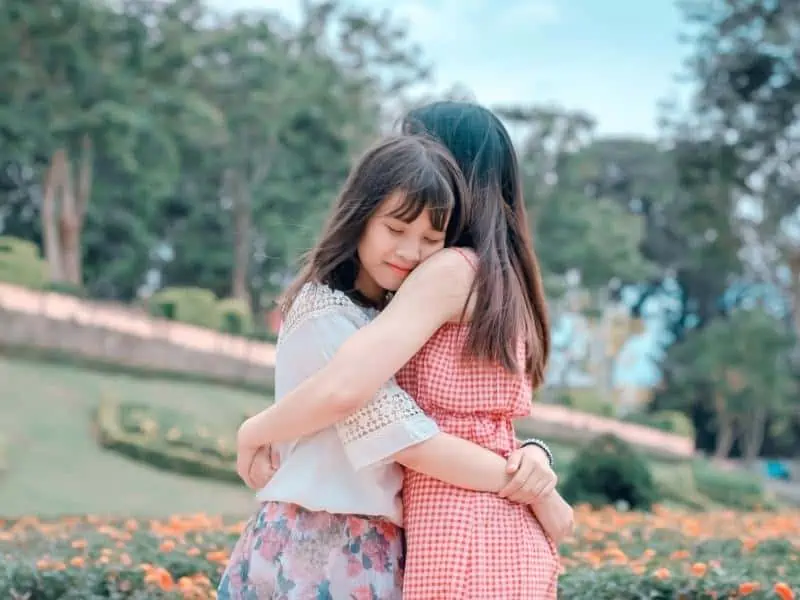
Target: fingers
{"x":523,"y":473}
{"x":275,"y":458}
{"x":514,"y":460}
{"x":260,"y":472}
{"x":244,"y":462}
{"x":261,"y":468}
{"x":531,"y":482}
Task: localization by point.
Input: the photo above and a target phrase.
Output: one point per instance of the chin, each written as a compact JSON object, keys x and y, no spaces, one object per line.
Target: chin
{"x":391,"y":283}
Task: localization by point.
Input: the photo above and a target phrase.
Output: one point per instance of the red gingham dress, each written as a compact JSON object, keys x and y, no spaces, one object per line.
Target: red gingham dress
{"x":465,"y":545}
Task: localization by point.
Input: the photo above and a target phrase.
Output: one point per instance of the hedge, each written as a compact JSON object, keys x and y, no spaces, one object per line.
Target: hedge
{"x":21,"y":264}
{"x":165,"y":440}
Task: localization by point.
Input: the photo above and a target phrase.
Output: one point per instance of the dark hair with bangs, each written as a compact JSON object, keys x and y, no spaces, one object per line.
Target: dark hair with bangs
{"x":419,"y":167}
{"x":509,"y":295}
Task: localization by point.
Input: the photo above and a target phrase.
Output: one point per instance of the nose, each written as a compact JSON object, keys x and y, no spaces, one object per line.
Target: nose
{"x":409,"y":251}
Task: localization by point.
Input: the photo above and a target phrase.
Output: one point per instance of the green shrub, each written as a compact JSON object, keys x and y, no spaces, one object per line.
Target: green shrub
{"x":262,"y":335}
{"x":608,"y":470}
{"x":163,"y":439}
{"x":676,"y":485}
{"x":69,"y":289}
{"x":235,"y":316}
{"x":670,"y":421}
{"x":21,"y":264}
{"x":585,"y":400}
{"x":195,"y":306}
{"x":737,"y":489}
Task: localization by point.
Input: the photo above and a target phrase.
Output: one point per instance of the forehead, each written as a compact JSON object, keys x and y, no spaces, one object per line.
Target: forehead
{"x":393,"y":203}
{"x":396,"y":206}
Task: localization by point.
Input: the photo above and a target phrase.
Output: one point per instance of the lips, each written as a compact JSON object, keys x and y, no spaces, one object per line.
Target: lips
{"x":399,"y":270}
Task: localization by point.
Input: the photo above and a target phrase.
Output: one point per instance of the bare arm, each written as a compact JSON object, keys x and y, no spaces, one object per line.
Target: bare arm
{"x":432,"y":295}
{"x":389,"y":427}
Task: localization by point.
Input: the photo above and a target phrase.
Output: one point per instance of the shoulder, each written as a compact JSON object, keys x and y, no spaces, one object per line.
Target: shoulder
{"x":448,"y":268}
{"x":316,"y":302}
{"x":444,"y":280}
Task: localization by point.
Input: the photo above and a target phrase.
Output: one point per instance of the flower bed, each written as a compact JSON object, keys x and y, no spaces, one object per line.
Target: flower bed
{"x":167,"y":440}
{"x":613,"y":555}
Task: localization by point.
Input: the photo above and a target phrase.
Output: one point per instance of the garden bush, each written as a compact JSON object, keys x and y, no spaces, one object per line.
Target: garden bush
{"x":165,"y":440}
{"x":737,"y":489}
{"x":192,"y":305}
{"x":670,"y":421}
{"x":235,"y":316}
{"x":613,"y":556}
{"x":608,"y":470}
{"x":21,"y":264}
{"x":585,"y":400}
{"x":68,"y":289}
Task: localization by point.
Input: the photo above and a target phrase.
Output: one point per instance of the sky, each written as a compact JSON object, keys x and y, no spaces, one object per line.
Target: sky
{"x":615,"y":59}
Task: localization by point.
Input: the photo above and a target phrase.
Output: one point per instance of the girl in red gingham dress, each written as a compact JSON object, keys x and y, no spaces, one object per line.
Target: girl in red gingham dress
{"x":467,"y":335}
{"x":466,"y":544}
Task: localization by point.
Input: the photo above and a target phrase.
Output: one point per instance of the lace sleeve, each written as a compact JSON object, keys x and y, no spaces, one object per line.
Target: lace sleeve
{"x":318,"y":323}
{"x":391,"y":422}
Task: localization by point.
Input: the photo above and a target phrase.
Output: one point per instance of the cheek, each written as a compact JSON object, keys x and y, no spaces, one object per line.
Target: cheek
{"x":373,"y":245}
{"x":429,"y":250}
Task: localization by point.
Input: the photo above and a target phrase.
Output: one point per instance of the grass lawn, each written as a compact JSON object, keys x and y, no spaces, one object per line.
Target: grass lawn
{"x":55,"y":467}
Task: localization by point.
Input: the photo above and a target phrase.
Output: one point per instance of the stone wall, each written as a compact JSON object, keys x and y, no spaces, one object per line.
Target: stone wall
{"x":127,"y":337}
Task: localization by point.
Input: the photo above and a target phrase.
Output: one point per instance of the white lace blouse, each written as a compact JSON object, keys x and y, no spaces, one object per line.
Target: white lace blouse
{"x":346,"y":468}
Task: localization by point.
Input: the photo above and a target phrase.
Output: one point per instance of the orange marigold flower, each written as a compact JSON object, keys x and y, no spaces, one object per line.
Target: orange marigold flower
{"x":783,"y":591}
{"x":662,"y":573}
{"x":217,"y":556}
{"x":77,"y":561}
{"x":160,"y":577}
{"x":699,"y":569}
{"x":748,"y":587}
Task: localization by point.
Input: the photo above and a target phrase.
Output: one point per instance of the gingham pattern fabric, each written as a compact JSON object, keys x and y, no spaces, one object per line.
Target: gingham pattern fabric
{"x":464,"y":545}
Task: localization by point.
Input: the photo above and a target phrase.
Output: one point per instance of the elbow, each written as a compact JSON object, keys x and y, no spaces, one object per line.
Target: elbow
{"x":424,"y":455}
{"x":344,"y":401}
{"x":410,"y":457}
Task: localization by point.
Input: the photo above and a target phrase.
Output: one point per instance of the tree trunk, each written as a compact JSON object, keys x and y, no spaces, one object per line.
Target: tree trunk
{"x":794,"y":289}
{"x":77,"y":199}
{"x":63,"y":213}
{"x":754,"y":434}
{"x":725,"y":436}
{"x":242,"y":224}
{"x":50,"y":217}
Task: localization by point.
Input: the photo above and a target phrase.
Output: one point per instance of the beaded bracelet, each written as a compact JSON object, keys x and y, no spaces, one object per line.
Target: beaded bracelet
{"x":540,"y":444}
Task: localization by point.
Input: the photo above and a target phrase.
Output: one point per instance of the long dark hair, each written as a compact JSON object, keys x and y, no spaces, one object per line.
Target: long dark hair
{"x":419,"y":167}
{"x":509,"y":294}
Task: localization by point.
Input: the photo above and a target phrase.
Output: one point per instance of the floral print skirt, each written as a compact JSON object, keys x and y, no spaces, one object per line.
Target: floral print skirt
{"x":289,"y":553}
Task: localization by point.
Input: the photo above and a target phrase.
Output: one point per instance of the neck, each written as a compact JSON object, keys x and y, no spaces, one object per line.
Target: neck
{"x":369,"y":291}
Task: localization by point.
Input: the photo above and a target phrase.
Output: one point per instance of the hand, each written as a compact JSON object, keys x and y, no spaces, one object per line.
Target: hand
{"x":255,"y":466}
{"x":264,"y":466}
{"x":533,"y":478}
{"x":255,"y":463}
{"x":555,"y":515}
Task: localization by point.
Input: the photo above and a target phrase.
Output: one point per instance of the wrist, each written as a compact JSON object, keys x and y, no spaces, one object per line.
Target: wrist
{"x":544,"y":448}
{"x":543,"y":501}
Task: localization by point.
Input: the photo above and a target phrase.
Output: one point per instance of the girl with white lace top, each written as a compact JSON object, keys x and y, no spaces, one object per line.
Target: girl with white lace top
{"x":330,"y":523}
